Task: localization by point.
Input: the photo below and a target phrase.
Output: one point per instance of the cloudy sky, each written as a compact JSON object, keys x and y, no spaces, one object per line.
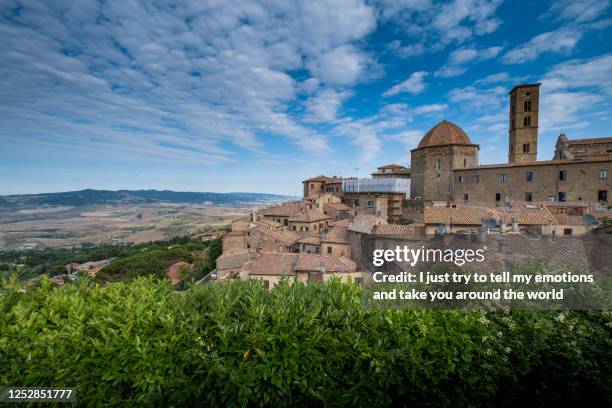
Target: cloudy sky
{"x":244,"y":95}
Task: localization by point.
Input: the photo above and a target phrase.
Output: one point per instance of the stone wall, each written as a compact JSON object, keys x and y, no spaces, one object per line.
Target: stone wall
{"x":582,"y":182}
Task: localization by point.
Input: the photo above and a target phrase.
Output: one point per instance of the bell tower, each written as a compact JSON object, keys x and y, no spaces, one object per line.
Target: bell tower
{"x":523,"y":132}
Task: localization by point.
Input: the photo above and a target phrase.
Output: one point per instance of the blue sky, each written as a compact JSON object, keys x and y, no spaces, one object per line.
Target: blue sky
{"x":258,"y":95}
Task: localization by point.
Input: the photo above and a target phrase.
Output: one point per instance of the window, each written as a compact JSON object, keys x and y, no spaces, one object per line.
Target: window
{"x":567,"y":231}
{"x":286,"y":222}
{"x":527,"y":106}
{"x":294,"y":228}
{"x":370,"y":203}
{"x":248,"y":246}
{"x":476,"y":179}
{"x":551,"y":198}
{"x":561,"y":196}
{"x":464,"y":162}
{"x":266,"y":283}
{"x":529,"y":176}
{"x":438,"y":164}
{"x":602,"y":195}
{"x":503,"y":178}
{"x":563,"y":175}
{"x":497,"y":197}
{"x":528,"y":196}
{"x":525,"y":147}
{"x":312,"y":186}
{"x":461,"y":179}
{"x":603,"y":174}
{"x":329,"y":249}
{"x":465,"y":197}
{"x":526,"y":121}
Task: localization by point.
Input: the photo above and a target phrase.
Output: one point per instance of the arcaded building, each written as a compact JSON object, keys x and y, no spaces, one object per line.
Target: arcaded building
{"x":444,"y":166}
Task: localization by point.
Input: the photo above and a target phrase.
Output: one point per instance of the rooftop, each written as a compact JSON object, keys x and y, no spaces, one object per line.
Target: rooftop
{"x":444,"y":133}
{"x":287,"y":264}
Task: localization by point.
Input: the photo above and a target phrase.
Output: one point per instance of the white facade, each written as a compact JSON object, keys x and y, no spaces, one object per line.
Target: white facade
{"x":377,"y":185}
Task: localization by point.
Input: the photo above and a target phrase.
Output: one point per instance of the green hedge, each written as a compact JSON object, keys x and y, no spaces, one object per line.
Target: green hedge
{"x":235,"y":344}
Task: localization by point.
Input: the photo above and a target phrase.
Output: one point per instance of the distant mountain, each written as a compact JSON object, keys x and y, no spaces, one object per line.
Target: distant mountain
{"x":90,"y":197}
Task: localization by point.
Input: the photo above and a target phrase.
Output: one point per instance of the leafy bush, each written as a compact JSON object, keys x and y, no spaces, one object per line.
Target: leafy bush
{"x":237,"y":344}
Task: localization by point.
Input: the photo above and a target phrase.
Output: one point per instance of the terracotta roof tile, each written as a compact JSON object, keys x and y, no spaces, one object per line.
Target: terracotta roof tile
{"x":475,"y":215}
{"x":336,"y":235}
{"x":309,"y":216}
{"x":414,"y":232}
{"x":283,"y":236}
{"x":363,"y":223}
{"x":287,"y":264}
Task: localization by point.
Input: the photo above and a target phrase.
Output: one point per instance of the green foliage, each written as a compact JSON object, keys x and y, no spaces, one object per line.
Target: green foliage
{"x":236,"y":344}
{"x":131,"y":260}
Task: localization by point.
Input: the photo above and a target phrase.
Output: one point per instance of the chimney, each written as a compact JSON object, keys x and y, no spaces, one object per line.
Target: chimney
{"x":515,"y":226}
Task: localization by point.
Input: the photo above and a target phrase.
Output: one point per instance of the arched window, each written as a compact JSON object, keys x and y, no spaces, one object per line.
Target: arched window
{"x":527,"y":106}
{"x":526,"y":121}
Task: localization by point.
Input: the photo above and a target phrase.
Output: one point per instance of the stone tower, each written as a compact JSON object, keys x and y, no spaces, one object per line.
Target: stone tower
{"x":524,"y":108}
{"x":445,"y":148}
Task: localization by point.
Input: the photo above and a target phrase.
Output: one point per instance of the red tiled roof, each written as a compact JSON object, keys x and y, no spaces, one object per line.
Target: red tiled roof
{"x":283,"y":236}
{"x":414,"y":232}
{"x":336,"y":235}
{"x":309,"y":216}
{"x":284,"y":210}
{"x":363,"y":223}
{"x":287,"y":264}
{"x":475,"y":215}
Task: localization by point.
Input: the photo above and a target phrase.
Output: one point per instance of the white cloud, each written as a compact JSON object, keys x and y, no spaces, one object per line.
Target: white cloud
{"x":174,"y":82}
{"x":459,"y":60}
{"x":595,"y":73}
{"x":561,"y":41}
{"x":324,"y":106}
{"x":343,"y":65}
{"x":474,"y":97}
{"x":481,"y":13}
{"x":493,"y":78}
{"x":579,"y":11}
{"x":413,"y":85}
{"x":432,"y":108}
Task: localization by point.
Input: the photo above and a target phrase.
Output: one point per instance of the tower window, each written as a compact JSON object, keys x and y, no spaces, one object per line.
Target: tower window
{"x":563,"y":175}
{"x":438,"y":164}
{"x":503,"y":178}
{"x":461,"y":179}
{"x":498,"y":197}
{"x":525,"y":147}
{"x":527,"y":106}
{"x":602,"y":195}
{"x":529,"y":176}
{"x":526,"y":121}
{"x":528,"y":196}
{"x":477,"y":179}
{"x":603,"y":174}
{"x":465,"y":197}
{"x":561,"y":196}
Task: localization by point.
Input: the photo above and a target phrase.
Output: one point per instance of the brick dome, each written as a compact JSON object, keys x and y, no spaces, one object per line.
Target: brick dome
{"x":444,"y":133}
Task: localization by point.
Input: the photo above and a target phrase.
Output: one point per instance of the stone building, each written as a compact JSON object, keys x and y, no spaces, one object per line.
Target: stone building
{"x":445,"y":148}
{"x":272,"y":267}
{"x":391,"y":171}
{"x":322,"y":184}
{"x":444,"y":166}
{"x":310,"y":221}
{"x":335,"y":242}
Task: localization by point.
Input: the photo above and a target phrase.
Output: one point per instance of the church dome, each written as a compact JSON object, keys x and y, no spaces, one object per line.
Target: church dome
{"x":444,"y":133}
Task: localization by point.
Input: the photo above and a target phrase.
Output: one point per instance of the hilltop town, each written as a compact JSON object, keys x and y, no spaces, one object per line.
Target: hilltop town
{"x":553,"y":210}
